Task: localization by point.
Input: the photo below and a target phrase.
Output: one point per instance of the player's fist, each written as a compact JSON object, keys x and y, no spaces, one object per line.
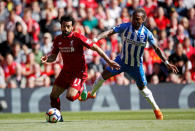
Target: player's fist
{"x":173,"y":68}
{"x":114,"y":65}
{"x":44,"y":59}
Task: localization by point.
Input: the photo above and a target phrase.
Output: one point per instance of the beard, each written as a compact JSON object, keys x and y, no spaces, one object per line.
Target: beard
{"x":136,"y":25}
{"x":65,"y":33}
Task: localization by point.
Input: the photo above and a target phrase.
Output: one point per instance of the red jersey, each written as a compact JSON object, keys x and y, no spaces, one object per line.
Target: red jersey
{"x":72,"y":51}
{"x":162,"y":23}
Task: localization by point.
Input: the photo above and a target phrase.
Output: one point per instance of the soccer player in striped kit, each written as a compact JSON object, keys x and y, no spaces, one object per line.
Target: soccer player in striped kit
{"x":134,"y":38}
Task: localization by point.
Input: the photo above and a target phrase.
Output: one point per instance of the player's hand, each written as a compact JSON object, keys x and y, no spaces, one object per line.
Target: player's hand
{"x":173,"y":68}
{"x":44,"y":59}
{"x":114,"y":65}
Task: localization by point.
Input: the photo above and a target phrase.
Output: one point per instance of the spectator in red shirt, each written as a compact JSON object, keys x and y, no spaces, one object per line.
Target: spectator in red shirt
{"x":9,"y":66}
{"x":125,"y":15}
{"x":179,"y":37}
{"x":188,"y":49}
{"x":88,"y":3}
{"x":162,"y":40}
{"x":161,"y":21}
{"x":193,"y":67}
{"x":150,"y":7}
{"x":17,"y":80}
{"x":33,"y":26}
{"x":28,"y":67}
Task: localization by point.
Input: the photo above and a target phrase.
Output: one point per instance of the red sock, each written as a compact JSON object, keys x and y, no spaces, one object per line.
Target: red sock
{"x":76,"y":97}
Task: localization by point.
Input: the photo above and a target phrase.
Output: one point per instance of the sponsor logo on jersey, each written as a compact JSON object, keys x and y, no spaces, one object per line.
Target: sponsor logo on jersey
{"x":67,"y":49}
{"x":136,"y":43}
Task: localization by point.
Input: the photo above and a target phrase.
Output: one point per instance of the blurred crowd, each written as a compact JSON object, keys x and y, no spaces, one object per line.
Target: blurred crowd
{"x":28,"y":27}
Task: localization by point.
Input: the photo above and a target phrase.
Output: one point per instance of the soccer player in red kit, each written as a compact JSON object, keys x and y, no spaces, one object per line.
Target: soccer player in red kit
{"x":74,"y":72}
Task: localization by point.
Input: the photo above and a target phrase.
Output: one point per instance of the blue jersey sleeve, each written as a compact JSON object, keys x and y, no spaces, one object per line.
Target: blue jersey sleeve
{"x":151,"y":39}
{"x":120,"y":28}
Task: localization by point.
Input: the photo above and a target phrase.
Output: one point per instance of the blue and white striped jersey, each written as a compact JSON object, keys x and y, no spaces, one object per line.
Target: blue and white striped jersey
{"x":134,"y":42}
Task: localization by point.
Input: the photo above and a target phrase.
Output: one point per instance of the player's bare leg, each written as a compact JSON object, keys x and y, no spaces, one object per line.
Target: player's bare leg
{"x":54,"y":97}
{"x":149,"y":97}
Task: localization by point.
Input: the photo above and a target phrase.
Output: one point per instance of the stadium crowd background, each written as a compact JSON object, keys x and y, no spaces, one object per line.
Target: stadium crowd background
{"x":27,"y":28}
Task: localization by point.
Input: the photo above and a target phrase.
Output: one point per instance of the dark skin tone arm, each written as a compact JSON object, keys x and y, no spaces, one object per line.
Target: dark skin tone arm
{"x":111,"y":63}
{"x":105,"y":34}
{"x":158,"y":51}
{"x":48,"y":59}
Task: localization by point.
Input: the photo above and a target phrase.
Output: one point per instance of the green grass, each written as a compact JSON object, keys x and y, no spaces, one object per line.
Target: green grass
{"x":175,"y":120}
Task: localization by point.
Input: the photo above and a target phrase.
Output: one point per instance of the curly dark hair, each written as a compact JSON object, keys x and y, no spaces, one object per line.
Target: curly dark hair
{"x":67,"y":18}
{"x":140,"y":10}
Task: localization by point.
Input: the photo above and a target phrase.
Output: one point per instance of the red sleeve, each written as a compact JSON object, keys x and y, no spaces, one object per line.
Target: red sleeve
{"x":55,"y":49}
{"x":84,"y":40}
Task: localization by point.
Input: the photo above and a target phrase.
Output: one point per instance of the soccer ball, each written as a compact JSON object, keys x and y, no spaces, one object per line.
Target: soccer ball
{"x":53,"y":115}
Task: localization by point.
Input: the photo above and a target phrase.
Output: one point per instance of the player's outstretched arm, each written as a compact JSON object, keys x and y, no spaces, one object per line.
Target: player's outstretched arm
{"x":111,"y":63}
{"x":104,"y":35}
{"x":48,"y":59}
{"x":158,"y":51}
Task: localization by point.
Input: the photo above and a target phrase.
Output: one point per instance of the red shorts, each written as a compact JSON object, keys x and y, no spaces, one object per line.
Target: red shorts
{"x":76,"y":83}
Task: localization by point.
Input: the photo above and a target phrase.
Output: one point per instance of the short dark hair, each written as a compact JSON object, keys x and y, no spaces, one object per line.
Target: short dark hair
{"x":67,"y":18}
{"x":140,"y":10}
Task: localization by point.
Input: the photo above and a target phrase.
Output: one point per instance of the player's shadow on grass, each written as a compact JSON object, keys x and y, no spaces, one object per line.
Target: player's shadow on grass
{"x":28,"y":122}
{"x":40,"y":122}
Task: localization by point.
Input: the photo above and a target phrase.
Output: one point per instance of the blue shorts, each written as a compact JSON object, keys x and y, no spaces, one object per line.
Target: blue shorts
{"x":137,"y":73}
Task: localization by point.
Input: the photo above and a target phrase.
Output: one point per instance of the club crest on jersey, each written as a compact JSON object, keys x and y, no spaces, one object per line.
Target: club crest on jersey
{"x":59,"y":43}
{"x":88,"y":41}
{"x":142,"y":37}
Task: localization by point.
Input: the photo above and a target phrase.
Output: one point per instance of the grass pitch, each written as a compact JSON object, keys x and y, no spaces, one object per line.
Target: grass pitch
{"x":144,"y":120}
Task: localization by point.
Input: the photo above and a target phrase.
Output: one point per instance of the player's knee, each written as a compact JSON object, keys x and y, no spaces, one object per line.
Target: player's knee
{"x":106,"y":75}
{"x":141,"y":87}
{"x":70,"y":98}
